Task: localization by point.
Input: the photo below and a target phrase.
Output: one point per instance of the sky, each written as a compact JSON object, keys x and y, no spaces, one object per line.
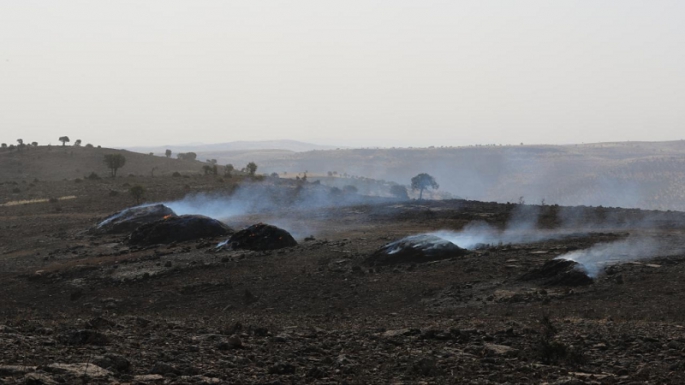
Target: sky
{"x":347,"y":73}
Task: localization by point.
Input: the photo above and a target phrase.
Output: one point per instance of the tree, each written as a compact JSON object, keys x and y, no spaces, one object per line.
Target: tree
{"x":167,"y":153}
{"x":64,"y":140}
{"x":251,"y":168}
{"x":114,"y":162}
{"x":422,"y":182}
{"x":20,"y":141}
{"x":186,"y":156}
{"x":399,"y":191}
{"x":77,"y":143}
{"x":4,"y":146}
{"x":137,"y":192}
{"x":207,"y":169}
{"x":228,"y":169}
{"x":34,"y":144}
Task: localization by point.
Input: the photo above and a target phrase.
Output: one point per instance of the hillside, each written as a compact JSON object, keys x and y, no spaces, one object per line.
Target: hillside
{"x":57,"y":163}
{"x":644,"y":175}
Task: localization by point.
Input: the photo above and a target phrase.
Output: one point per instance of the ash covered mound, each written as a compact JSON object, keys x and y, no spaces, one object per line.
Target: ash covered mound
{"x":261,"y":237}
{"x":131,"y":218}
{"x":416,"y":249}
{"x":178,"y":229}
{"x":559,"y":272}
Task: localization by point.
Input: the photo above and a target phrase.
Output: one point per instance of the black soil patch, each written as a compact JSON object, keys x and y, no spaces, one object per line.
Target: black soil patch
{"x":131,"y":218}
{"x":261,"y":237}
{"x":178,"y":229}
{"x":559,"y":272}
{"x":416,"y":249}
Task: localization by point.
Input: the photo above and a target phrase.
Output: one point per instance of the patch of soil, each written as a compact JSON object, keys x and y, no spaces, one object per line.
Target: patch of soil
{"x":261,"y":237}
{"x":559,"y":272}
{"x":416,"y":249}
{"x":131,"y":218}
{"x":178,"y":229}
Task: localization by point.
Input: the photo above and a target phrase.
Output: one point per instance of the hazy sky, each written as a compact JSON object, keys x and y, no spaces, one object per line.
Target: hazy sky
{"x":378,"y":73}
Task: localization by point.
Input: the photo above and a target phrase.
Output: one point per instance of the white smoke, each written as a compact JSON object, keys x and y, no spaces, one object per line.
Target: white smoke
{"x":602,"y":255}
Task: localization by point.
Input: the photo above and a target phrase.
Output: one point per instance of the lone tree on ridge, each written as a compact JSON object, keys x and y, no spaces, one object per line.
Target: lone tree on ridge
{"x":422,"y":182}
{"x":251,"y":168}
{"x":114,"y":162}
{"x":64,"y":140}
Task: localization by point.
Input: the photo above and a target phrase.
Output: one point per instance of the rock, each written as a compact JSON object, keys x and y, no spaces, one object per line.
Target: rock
{"x":499,"y":350}
{"x":38,"y":379}
{"x":15,"y":370}
{"x":78,"y":370}
{"x":282,"y":368}
{"x":178,"y":229}
{"x":400,"y":332}
{"x":84,"y":337}
{"x":233,"y":342}
{"x":163,"y":368}
{"x":425,"y":366}
{"x":129,"y":219}
{"x":113,"y":362}
{"x":99,"y":323}
{"x":148,"y":378}
{"x":416,"y":249}
{"x":261,"y":237}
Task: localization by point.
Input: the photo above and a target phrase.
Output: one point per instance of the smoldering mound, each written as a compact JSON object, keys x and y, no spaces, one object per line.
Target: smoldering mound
{"x":416,"y":249}
{"x":260,"y":236}
{"x":178,"y":229}
{"x":559,"y":272}
{"x":131,"y":218}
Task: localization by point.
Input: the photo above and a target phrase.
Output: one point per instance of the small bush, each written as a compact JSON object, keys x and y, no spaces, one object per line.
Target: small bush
{"x":16,"y":190}
{"x":137,"y":192}
{"x":78,"y":180}
{"x":176,"y":174}
{"x":53,"y":200}
{"x":113,"y":193}
{"x":93,"y":176}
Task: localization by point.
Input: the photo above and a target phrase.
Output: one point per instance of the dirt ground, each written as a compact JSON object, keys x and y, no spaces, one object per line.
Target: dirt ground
{"x":81,"y":308}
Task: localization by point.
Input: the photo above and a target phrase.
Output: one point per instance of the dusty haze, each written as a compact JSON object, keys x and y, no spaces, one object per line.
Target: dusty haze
{"x":351,"y":73}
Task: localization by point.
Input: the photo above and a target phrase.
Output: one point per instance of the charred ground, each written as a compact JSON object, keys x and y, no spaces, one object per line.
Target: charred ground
{"x":77,"y":306}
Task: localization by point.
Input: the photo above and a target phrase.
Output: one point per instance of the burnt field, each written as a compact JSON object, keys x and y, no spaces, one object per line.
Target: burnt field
{"x":480,"y":293}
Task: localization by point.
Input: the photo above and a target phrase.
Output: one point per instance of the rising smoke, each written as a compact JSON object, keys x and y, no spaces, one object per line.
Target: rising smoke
{"x":602,"y":255}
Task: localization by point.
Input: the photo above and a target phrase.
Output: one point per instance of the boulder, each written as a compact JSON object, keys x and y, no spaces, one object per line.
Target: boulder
{"x":178,"y":229}
{"x":131,"y":218}
{"x":261,"y":237}
{"x":416,"y":249}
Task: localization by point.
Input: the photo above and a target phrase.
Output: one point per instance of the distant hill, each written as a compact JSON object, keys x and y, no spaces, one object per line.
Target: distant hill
{"x":284,"y":145}
{"x":648,"y":175}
